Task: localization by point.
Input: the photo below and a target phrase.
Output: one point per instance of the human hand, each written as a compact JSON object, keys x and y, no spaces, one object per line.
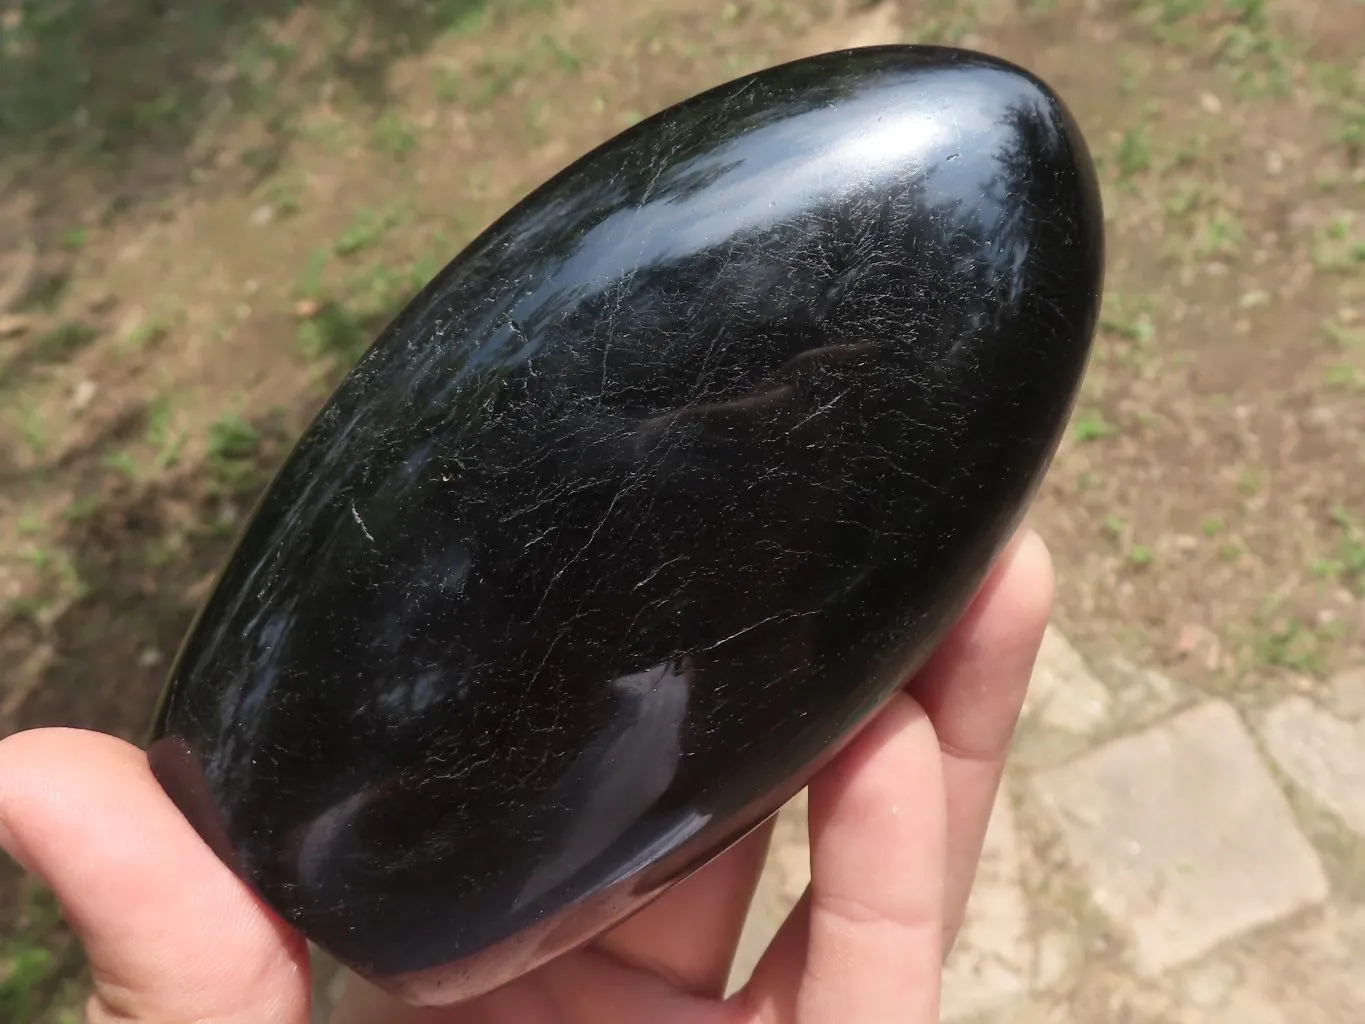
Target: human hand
{"x":897,"y":822}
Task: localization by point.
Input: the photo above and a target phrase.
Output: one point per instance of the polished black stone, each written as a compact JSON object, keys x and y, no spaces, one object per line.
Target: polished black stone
{"x":639,"y":509}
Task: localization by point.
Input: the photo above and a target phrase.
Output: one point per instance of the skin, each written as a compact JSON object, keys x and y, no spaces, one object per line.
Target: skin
{"x":897,"y":822}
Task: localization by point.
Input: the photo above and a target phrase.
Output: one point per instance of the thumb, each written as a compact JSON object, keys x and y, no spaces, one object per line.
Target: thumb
{"x":172,"y":935}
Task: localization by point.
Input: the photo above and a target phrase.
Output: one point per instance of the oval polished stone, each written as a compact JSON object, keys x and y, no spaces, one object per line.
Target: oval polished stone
{"x":639,"y":510}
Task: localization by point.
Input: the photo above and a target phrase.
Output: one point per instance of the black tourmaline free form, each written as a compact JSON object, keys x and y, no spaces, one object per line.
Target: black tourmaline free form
{"x":639,"y":510}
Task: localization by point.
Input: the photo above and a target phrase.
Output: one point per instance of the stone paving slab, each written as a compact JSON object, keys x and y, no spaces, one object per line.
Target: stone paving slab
{"x":1347,"y":691}
{"x":1064,"y":694}
{"x":1183,"y":836}
{"x":785,"y":877}
{"x":1323,"y":754}
{"x":994,"y":959}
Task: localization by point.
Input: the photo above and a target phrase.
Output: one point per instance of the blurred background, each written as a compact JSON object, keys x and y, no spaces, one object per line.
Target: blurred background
{"x":208,"y":209}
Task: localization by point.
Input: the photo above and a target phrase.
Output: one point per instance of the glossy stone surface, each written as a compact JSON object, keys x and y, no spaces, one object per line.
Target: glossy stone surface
{"x":640,"y":508}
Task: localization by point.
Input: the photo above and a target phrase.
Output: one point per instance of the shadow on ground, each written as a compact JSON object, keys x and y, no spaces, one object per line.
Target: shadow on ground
{"x":131,"y":91}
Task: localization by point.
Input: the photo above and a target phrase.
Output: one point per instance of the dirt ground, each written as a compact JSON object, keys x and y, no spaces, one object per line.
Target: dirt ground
{"x":205,"y":217}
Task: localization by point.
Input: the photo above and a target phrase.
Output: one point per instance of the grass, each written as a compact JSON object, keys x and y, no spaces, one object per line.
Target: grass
{"x":27,"y":967}
{"x":1090,"y":425}
{"x":1347,"y":563}
{"x":945,"y":22}
{"x":232,"y":439}
{"x":1118,"y":530}
{"x":1222,"y":234}
{"x":392,"y":136}
{"x":116,"y":83}
{"x":231,"y":449}
{"x":47,"y":292}
{"x":284,"y":193}
{"x":1351,"y":133}
{"x":565,"y":59}
{"x":1287,"y":641}
{"x":1183,"y":197}
{"x":313,"y":281}
{"x":476,"y":84}
{"x":1294,"y":645}
{"x":62,"y":341}
{"x":1128,"y":318}
{"x":81,"y":508}
{"x":1134,"y":154}
{"x":335,"y":333}
{"x":448,"y":81}
{"x":167,"y":443}
{"x":537,"y":117}
{"x":368,"y":228}
{"x":340,"y":319}
{"x":1344,"y":375}
{"x":123,"y":463}
{"x":143,"y":335}
{"x":1342,"y":336}
{"x":33,"y":427}
{"x":57,"y":583}
{"x":1337,"y":247}
{"x":1140,"y":555}
{"x":1238,"y":34}
{"x":330,"y":131}
{"x":30,"y":966}
{"x":489,"y":78}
